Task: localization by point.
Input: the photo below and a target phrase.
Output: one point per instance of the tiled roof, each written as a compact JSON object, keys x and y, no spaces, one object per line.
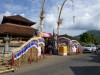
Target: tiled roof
{"x":67,"y":36}
{"x":19,"y":18}
{"x":14,"y":29}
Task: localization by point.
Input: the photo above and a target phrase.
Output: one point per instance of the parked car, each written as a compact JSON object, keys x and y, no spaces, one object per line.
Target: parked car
{"x":89,"y":48}
{"x":98,"y":47}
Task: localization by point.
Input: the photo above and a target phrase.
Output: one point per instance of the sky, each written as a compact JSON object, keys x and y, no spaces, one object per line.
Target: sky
{"x":86,"y":12}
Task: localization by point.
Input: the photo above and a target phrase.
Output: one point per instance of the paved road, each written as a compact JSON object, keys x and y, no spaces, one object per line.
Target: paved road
{"x":85,"y":64}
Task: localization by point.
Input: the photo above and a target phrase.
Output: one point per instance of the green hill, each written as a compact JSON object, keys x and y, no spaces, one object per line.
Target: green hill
{"x":96,"y":34}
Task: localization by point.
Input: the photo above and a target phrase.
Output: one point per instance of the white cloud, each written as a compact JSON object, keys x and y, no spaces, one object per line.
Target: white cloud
{"x":51,"y":20}
{"x":7,"y":13}
{"x":13,"y":7}
{"x":72,"y":32}
{"x":22,"y":14}
{"x":87,"y":14}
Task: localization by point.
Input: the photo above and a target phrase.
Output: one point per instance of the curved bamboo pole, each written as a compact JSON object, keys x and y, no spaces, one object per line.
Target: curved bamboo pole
{"x":59,"y":20}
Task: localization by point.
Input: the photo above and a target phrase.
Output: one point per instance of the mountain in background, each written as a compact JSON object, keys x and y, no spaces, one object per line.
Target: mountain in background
{"x":96,"y":34}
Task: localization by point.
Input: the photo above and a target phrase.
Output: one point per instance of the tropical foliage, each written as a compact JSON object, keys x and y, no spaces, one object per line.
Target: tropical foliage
{"x":89,"y":37}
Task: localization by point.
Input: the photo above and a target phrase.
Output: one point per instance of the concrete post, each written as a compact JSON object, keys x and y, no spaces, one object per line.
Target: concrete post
{"x":6,"y":39}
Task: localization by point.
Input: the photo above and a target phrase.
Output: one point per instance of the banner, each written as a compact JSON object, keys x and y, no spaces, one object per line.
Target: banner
{"x":43,"y":34}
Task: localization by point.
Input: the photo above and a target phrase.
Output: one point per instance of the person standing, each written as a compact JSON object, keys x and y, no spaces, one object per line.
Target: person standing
{"x":74,"y":49}
{"x":50,"y":49}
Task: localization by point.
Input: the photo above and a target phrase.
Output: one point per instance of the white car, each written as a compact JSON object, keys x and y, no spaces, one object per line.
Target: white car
{"x":89,"y":48}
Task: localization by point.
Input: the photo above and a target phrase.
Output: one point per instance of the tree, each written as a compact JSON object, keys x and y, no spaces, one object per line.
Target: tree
{"x":94,"y":40}
{"x":86,"y":38}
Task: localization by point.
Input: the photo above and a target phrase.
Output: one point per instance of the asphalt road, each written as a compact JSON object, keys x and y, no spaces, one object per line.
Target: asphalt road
{"x":84,"y":64}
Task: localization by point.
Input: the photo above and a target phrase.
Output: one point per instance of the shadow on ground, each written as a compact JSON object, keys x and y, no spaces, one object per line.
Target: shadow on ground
{"x":95,"y":58}
{"x":86,"y":70}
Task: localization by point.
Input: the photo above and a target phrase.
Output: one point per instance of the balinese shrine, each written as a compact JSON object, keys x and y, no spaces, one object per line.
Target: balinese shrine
{"x":15,"y":30}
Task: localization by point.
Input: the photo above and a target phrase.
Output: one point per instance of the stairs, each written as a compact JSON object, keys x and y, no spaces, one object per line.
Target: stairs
{"x":5,"y":67}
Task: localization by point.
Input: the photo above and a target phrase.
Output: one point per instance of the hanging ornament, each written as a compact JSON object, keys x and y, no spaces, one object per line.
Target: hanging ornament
{"x":73,"y":8}
{"x":73,"y":19}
